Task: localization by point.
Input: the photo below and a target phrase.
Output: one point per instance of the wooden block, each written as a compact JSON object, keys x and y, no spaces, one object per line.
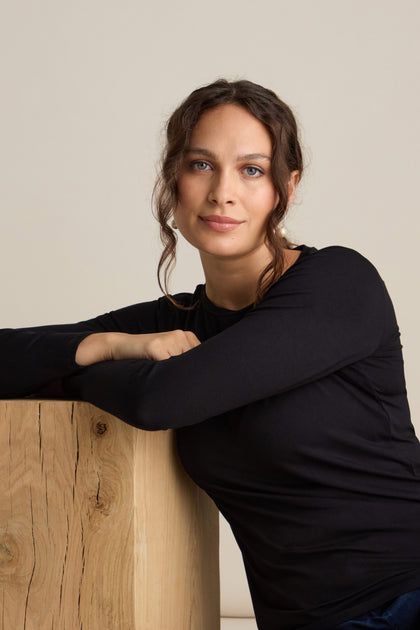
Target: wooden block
{"x":100,"y":527}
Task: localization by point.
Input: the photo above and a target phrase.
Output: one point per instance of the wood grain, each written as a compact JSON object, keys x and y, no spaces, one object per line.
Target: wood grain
{"x":189,"y":569}
{"x":100,"y":527}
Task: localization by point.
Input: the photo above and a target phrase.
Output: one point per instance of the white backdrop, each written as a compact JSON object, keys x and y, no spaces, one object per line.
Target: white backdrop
{"x":86,"y":87}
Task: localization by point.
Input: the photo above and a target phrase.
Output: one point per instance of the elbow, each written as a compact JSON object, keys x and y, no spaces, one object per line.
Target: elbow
{"x":152,"y":416}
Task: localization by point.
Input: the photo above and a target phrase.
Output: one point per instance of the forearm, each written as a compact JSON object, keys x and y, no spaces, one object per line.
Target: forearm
{"x":117,"y":346}
{"x":30,"y":359}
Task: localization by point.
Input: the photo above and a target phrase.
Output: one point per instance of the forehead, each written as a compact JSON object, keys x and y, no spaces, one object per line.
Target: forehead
{"x":231,"y":128}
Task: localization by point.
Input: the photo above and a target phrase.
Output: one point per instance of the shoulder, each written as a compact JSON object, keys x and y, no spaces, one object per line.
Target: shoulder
{"x":350,"y":270}
{"x":336,"y":262}
{"x":344,"y":257}
{"x":330,"y":274}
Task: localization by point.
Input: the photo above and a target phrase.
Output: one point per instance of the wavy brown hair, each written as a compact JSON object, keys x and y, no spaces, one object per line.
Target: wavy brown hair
{"x":279,"y":121}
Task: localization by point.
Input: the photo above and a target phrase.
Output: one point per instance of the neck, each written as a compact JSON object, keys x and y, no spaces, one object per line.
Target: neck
{"x":232,"y":282}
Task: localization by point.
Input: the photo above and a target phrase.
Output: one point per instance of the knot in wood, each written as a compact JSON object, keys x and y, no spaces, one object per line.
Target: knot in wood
{"x":100,"y":504}
{"x":8,"y":551}
{"x":101,"y":428}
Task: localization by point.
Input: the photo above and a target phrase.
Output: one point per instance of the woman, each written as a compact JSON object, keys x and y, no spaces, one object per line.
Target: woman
{"x":282,"y":376}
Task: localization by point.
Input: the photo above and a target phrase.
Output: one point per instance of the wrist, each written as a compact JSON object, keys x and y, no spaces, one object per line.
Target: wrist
{"x":125,"y":346}
{"x":95,"y":348}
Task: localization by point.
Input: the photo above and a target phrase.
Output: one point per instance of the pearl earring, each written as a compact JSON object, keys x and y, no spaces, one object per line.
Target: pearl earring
{"x":282,"y":231}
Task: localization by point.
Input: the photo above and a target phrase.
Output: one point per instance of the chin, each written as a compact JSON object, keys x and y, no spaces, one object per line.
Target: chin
{"x":232,"y":251}
{"x":221,"y":245}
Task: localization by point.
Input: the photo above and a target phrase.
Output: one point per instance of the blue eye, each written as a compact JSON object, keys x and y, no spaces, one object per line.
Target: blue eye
{"x":253,"y":171}
{"x":199,"y":165}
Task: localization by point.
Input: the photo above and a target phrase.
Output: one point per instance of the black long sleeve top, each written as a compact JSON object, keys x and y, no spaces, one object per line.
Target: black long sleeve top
{"x":292,"y":416}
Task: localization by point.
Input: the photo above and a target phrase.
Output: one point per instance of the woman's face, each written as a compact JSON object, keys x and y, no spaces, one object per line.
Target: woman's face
{"x":225,"y":191}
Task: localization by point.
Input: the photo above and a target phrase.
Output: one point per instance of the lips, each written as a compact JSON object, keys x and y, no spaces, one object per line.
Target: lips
{"x":219,"y":218}
{"x":220,"y":223}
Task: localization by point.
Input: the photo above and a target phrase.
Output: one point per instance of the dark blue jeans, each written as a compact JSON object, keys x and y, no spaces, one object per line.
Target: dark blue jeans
{"x":402,"y":613}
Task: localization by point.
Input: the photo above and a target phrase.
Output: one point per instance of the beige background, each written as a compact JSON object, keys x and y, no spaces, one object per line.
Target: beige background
{"x":86,"y":86}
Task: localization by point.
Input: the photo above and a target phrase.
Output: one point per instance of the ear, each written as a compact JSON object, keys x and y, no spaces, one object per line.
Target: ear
{"x":292,"y":185}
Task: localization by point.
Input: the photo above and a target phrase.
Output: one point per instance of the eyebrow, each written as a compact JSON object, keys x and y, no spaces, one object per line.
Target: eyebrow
{"x":247,"y":156}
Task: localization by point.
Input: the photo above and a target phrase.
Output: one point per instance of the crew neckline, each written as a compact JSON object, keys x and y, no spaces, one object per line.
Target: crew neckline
{"x":226,"y":312}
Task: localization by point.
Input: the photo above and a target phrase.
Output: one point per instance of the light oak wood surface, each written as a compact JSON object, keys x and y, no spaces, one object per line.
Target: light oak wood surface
{"x":100,"y":527}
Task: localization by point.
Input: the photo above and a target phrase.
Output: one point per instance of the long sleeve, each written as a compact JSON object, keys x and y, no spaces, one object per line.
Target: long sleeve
{"x":30,"y":358}
{"x":323,"y":314}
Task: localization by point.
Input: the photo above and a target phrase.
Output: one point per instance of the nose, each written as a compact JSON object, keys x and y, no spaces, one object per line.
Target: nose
{"x":222,"y":189}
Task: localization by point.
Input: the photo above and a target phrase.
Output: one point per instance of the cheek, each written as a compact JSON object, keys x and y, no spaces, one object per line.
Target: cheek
{"x":186,"y":205}
{"x":182,"y":189}
{"x":188,"y":191}
{"x":271,"y":194}
{"x":265,"y":200}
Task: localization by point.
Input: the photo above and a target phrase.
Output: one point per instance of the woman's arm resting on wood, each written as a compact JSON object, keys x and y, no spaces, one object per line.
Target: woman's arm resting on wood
{"x":31,"y":358}
{"x":308,"y":326}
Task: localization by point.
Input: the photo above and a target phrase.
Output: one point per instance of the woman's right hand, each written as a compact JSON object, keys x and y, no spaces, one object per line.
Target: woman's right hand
{"x":115,"y":346}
